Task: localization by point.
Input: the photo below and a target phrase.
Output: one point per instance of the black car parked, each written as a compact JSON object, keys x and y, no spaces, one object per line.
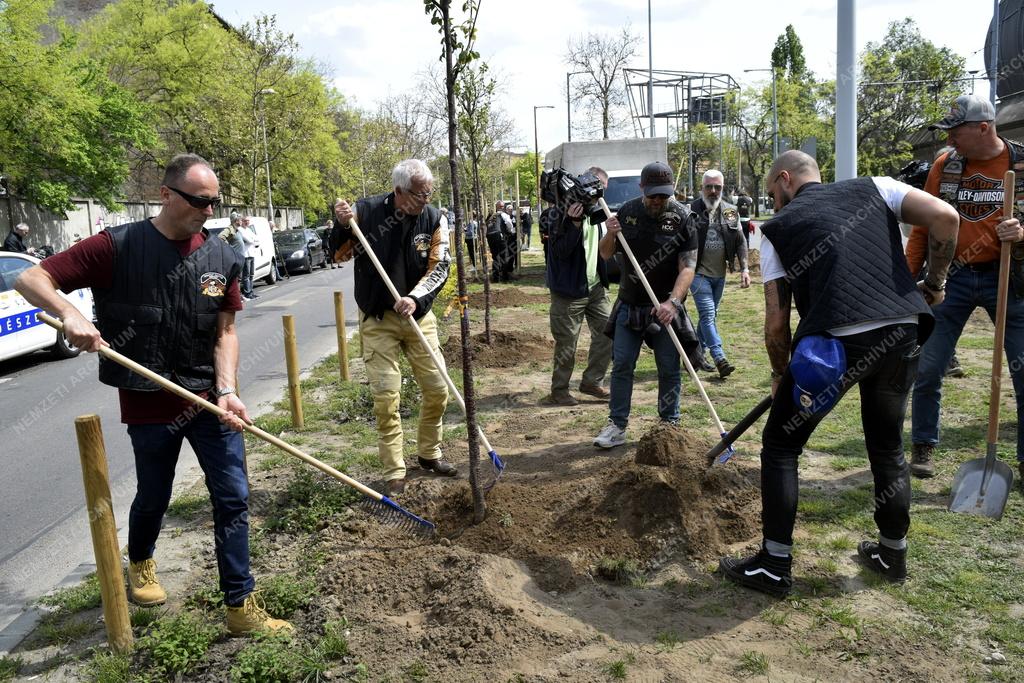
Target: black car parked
{"x":301,"y":250}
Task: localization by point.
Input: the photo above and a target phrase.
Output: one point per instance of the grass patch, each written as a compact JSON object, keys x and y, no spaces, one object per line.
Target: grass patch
{"x":143,"y":617}
{"x":109,"y":667}
{"x":312,"y":500}
{"x":9,"y":668}
{"x":620,"y":570}
{"x":189,"y":505}
{"x":85,"y":595}
{"x":57,"y":629}
{"x":276,"y":658}
{"x":284,"y":593}
{"x":753,"y":664}
{"x":668,"y":639}
{"x":617,"y":670}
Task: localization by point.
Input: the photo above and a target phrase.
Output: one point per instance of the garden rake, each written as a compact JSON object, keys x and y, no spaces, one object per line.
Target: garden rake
{"x":672,"y":334}
{"x":380,"y":505}
{"x":496,"y":462}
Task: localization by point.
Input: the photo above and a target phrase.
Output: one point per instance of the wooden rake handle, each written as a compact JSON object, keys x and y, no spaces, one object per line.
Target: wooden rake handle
{"x":184,"y":393}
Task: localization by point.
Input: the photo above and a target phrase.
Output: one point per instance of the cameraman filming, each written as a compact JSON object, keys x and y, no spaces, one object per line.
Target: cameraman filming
{"x":662,"y":235}
{"x":578,"y":281}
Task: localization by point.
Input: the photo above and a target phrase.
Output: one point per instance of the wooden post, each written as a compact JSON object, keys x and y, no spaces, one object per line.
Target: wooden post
{"x":339,"y":319}
{"x":291,"y":355}
{"x":519,"y":231}
{"x":104,"y":532}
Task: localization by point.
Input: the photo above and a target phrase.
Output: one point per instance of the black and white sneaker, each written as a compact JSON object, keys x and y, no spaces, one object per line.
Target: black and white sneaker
{"x":891,"y":564}
{"x":762,"y":572}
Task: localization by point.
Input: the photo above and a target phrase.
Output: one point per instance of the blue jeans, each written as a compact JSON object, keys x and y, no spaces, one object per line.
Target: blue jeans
{"x":882,"y":363}
{"x":707,"y":294}
{"x":625,"y":351}
{"x":221,"y":454}
{"x":966,"y":290}
{"x":247,"y":272}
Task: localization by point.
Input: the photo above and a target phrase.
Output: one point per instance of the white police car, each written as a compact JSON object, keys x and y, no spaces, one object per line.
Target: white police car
{"x":20,"y":331}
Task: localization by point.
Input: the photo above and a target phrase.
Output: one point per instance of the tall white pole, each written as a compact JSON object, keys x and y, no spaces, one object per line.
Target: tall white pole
{"x":650,"y":71}
{"x":846,"y":91}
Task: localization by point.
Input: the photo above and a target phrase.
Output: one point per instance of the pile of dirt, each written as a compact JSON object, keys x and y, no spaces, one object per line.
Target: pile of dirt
{"x":561,"y":528}
{"x":506,"y":297}
{"x":506,"y":350}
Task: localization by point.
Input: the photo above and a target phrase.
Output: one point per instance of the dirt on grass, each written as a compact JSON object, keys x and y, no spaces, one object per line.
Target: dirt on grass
{"x":506,"y":350}
{"x":503,"y":296}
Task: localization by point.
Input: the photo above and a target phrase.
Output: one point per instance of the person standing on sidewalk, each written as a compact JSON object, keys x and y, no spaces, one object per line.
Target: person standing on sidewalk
{"x":247,"y":234}
{"x":409,"y":240}
{"x":578,"y":282}
{"x":836,"y":251}
{"x":970,"y":179}
{"x":719,"y":246}
{"x":155,"y":281}
{"x":661,"y":233}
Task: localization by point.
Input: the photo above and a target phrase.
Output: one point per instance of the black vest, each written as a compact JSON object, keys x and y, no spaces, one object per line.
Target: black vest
{"x":161,"y":309}
{"x":383,"y":229}
{"x":841,"y":248}
{"x":728,"y":228}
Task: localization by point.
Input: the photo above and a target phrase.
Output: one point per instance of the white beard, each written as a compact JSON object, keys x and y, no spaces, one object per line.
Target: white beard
{"x":712,"y":208}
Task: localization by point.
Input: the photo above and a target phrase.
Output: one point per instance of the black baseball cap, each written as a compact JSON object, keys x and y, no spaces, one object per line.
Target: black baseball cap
{"x":656,"y":178}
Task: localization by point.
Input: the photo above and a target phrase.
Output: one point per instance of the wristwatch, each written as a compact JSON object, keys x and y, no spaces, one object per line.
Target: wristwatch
{"x":224,"y":391}
{"x":676,"y":302}
{"x":933,"y":287}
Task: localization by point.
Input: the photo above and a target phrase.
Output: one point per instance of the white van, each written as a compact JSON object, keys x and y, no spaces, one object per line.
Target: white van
{"x":265,"y":262}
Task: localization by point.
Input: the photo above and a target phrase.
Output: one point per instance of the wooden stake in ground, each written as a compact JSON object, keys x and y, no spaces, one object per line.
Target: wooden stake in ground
{"x":291,"y":356}
{"x":339,"y":321}
{"x":104,"y":532}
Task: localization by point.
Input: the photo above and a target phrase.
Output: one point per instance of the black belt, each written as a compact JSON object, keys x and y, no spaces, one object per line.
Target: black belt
{"x":986,"y":267}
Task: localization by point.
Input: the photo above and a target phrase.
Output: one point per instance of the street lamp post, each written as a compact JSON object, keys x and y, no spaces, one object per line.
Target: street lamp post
{"x":775,"y":112}
{"x":266,"y":153}
{"x":536,"y":151}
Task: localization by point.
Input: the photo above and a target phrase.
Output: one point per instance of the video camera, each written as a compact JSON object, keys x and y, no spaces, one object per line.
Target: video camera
{"x":915,"y":173}
{"x":562,"y":188}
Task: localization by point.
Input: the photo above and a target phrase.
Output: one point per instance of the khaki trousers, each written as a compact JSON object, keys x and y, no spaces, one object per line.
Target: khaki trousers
{"x":382,"y":341}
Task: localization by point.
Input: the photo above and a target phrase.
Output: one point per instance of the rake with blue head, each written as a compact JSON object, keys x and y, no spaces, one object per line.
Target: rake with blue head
{"x":383,"y":507}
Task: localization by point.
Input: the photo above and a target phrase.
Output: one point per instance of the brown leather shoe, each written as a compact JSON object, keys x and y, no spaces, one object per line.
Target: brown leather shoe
{"x":595,"y":390}
{"x":395,"y":487}
{"x":439,"y":466}
{"x":561,"y":398}
{"x":921,"y":465}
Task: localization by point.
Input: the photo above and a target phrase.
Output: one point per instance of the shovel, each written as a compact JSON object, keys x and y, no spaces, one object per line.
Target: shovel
{"x":982,"y":485}
{"x":736,"y":432}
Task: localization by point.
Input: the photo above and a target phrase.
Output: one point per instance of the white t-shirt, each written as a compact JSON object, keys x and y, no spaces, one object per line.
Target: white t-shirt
{"x":893,"y":192}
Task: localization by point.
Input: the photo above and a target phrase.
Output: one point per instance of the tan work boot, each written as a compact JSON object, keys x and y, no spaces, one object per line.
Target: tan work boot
{"x":143,"y":588}
{"x":252,"y":616}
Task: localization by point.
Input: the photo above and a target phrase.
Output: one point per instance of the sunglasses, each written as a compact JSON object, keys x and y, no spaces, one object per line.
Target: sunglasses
{"x":196,"y":202}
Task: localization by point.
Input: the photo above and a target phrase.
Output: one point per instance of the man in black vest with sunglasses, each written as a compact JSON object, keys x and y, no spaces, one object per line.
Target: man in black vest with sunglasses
{"x":166,"y":296}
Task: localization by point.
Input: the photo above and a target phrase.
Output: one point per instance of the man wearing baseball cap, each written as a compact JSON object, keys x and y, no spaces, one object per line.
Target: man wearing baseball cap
{"x":662,"y":235}
{"x":835,"y":252}
{"x":969,"y":178}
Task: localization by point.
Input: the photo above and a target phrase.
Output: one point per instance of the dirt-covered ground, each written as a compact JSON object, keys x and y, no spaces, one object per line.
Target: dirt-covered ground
{"x":590,"y":565}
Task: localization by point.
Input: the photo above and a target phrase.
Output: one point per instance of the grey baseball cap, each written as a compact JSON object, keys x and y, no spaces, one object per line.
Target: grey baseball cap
{"x":965,"y":109}
{"x":656,"y":178}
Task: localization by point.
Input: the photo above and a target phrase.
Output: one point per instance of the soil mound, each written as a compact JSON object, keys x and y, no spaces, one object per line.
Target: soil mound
{"x":506,"y":297}
{"x":562,"y":528}
{"x":506,"y":350}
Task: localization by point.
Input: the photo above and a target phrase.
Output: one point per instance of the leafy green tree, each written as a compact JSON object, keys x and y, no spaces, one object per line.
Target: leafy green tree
{"x":65,"y":124}
{"x":788,"y":56}
{"x":907,"y":82}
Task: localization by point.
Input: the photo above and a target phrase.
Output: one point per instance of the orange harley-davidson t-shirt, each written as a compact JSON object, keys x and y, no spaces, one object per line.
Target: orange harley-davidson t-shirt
{"x":980,"y":205}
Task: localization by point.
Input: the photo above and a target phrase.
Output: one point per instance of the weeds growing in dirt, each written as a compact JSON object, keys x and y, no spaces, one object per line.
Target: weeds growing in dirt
{"x":753,"y":664}
{"x":276,"y":658}
{"x":61,"y":629}
{"x":189,"y":505}
{"x":207,"y":597}
{"x":668,"y":639}
{"x":617,"y":670}
{"x":141,"y":617}
{"x":313,"y":499}
{"x":620,"y":570}
{"x":177,"y":643}
{"x":110,"y":667}
{"x":9,"y":668}
{"x":85,"y":595}
{"x":284,"y":593}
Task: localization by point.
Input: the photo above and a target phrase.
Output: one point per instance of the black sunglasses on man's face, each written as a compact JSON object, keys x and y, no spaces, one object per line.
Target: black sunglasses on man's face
{"x":194,"y":201}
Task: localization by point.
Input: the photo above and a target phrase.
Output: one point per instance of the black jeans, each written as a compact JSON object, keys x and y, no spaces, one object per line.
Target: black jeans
{"x":496,"y":243}
{"x":884,"y":363}
{"x":471,"y":250}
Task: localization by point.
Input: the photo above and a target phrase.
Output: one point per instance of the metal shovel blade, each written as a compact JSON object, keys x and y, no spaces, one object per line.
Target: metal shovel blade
{"x":982,"y":486}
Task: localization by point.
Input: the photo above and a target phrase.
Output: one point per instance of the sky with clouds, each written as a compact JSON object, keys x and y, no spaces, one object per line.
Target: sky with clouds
{"x":378,"y":48}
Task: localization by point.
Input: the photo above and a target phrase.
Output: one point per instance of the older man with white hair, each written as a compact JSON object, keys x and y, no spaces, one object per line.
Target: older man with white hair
{"x":720,"y":244}
{"x":16,"y":240}
{"x":411,"y":241}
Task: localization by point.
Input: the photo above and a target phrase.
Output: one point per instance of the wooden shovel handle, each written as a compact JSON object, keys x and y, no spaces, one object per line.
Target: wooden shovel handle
{"x":1009,"y":182}
{"x":184,"y":393}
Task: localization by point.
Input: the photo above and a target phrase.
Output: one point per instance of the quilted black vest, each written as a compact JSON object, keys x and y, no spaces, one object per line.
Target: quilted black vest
{"x":161,"y":309}
{"x":841,"y":248}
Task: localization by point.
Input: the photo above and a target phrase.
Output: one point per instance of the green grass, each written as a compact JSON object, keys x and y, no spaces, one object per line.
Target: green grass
{"x":109,"y":667}
{"x":189,"y":505}
{"x":313,"y":499}
{"x":85,"y":595}
{"x":753,"y":664}
{"x":668,"y":639}
{"x":617,"y":670}
{"x":55,"y":629}
{"x":284,"y":593}
{"x":9,"y":668}
{"x":176,"y":644}
{"x":276,"y":658}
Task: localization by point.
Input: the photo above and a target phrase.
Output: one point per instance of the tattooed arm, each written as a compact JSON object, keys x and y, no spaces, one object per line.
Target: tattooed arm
{"x":921,"y":208}
{"x":777,"y":335}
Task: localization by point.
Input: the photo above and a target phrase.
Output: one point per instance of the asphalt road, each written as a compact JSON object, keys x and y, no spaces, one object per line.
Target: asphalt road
{"x":44,"y":531}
